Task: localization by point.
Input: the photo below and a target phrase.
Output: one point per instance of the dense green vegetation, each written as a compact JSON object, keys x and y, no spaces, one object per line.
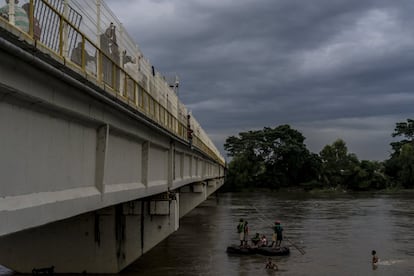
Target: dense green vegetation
{"x":278,"y":158}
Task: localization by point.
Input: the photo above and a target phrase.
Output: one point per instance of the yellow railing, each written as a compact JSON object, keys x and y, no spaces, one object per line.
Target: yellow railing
{"x":107,"y":72}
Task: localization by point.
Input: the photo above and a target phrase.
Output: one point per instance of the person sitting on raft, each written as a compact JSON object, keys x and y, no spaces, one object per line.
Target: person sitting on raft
{"x":256,"y":240}
{"x":263,"y":241}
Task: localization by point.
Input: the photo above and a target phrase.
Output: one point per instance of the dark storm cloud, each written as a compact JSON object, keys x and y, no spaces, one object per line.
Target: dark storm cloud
{"x":330,"y":68}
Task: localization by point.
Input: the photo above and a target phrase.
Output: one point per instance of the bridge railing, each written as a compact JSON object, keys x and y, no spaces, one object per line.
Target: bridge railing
{"x":93,"y":42}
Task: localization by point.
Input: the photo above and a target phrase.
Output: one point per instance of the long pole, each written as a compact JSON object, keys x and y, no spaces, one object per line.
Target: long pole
{"x":267,"y":219}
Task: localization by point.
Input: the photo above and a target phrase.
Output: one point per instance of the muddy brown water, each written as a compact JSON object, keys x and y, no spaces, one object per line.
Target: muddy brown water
{"x":337,"y":233}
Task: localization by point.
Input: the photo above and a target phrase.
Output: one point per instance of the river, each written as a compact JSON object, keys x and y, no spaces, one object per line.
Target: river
{"x":337,"y":233}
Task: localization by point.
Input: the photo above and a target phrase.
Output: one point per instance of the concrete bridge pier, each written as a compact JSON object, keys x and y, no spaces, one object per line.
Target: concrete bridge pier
{"x":92,"y":175}
{"x":192,"y":195}
{"x":106,"y":240}
{"x":103,"y":241}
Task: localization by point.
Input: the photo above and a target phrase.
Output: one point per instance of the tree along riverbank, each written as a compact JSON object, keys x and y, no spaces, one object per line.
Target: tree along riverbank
{"x":276,"y":158}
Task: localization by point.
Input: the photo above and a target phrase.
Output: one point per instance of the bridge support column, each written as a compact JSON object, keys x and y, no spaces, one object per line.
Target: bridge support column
{"x":105,"y":241}
{"x":191,"y":196}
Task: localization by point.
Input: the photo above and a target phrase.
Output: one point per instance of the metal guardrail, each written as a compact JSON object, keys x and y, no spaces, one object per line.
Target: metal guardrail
{"x":73,"y":30}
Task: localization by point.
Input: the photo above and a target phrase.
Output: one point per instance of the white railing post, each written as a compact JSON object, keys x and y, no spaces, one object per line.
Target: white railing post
{"x":12,"y":18}
{"x":65,"y":29}
{"x":98,"y":22}
{"x":98,"y":40}
{"x":121,"y":60}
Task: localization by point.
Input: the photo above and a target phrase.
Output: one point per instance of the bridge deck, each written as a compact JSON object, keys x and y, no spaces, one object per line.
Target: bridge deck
{"x":82,"y":128}
{"x":86,"y":37}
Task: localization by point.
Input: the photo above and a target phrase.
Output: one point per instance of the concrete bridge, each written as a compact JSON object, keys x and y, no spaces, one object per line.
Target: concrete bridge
{"x":99,"y":159}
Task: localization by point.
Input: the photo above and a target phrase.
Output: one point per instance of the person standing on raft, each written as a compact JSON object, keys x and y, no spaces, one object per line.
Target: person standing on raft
{"x":277,"y":235}
{"x":246,"y":233}
{"x":240,"y":231}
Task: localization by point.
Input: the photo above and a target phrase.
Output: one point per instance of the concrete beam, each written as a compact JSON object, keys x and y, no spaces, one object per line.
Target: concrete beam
{"x":105,"y":241}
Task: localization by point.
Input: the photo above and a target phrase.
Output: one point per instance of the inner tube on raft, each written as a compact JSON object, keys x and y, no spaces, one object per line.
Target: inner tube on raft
{"x":266,"y":251}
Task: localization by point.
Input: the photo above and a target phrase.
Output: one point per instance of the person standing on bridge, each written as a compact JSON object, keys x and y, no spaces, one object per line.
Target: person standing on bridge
{"x":189,"y":131}
{"x":76,"y":55}
{"x":37,"y":30}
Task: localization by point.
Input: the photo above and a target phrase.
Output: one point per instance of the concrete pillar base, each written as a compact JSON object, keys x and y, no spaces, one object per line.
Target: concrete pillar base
{"x":105,"y":241}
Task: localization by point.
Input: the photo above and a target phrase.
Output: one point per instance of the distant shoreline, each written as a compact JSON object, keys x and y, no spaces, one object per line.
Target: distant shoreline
{"x":321,"y":191}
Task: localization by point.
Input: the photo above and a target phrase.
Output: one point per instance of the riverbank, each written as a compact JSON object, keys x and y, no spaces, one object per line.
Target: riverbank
{"x":319,"y":191}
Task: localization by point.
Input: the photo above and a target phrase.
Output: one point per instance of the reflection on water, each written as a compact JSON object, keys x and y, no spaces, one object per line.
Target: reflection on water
{"x":336,"y":232}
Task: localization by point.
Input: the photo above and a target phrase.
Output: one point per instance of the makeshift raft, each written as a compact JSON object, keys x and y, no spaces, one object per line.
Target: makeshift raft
{"x":267,"y":251}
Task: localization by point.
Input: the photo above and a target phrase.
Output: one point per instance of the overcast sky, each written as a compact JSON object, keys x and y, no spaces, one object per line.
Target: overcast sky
{"x":329,"y":68}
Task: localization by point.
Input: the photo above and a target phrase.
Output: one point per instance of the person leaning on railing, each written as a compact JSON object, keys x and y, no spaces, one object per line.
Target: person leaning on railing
{"x":76,"y":55}
{"x":21,"y":20}
{"x":37,"y":30}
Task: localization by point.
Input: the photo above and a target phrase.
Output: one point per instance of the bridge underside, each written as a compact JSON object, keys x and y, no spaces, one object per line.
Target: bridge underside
{"x":102,"y":241}
{"x":79,"y":170}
